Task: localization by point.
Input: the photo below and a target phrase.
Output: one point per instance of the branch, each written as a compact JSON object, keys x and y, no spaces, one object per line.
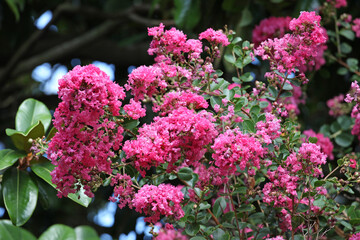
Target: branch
{"x":14,"y":68}
{"x":64,"y":48}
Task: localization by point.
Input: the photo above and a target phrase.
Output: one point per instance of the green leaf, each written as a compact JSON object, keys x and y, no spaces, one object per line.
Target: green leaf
{"x":245,"y":208}
{"x":352,"y":63}
{"x":255,"y":110}
{"x":313,"y":139}
{"x":21,"y":140}
{"x":247,"y":77}
{"x":215,"y":100}
{"x":14,"y":9}
{"x":334,"y":127}
{"x":345,"y":48}
{"x":348,"y":34}
{"x":192,"y":229}
{"x":130,"y":125}
{"x":230,"y":58}
{"x":220,"y":234}
{"x":302,"y":207}
{"x":344,"y":139}
{"x":8,"y":157}
{"x":246,"y":17}
{"x":249,"y":125}
{"x":288,"y":87}
{"x":204,"y":206}
{"x":10,"y":232}
{"x":86,"y":233}
{"x":219,"y":206}
{"x":29,"y":113}
{"x":263,"y":104}
{"x":185,"y":174}
{"x":342,"y":71}
{"x":198,"y":238}
{"x":187,"y":13}
{"x":319,"y":183}
{"x":20,"y":195}
{"x":273,"y":91}
{"x":43,"y":171}
{"x":345,"y":122}
{"x":58,"y":232}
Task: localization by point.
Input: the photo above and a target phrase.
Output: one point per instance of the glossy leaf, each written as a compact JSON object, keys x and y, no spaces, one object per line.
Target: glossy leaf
{"x":43,"y":170}
{"x":20,"y":195}
{"x":344,"y":139}
{"x":29,"y":113}
{"x":86,"y":233}
{"x":185,"y":174}
{"x":58,"y":232}
{"x":187,"y":13}
{"x":10,"y":232}
{"x":8,"y":157}
{"x":246,"y":17}
{"x":21,"y":140}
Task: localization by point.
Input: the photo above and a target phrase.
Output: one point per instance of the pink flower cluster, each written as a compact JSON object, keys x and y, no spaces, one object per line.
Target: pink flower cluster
{"x":276,"y":238}
{"x":356,"y":27}
{"x":337,"y":106}
{"x":272,"y":27}
{"x":174,"y":100}
{"x":283,"y":184}
{"x":354,"y":95}
{"x":86,"y":136}
{"x":123,"y":190}
{"x":170,"y":234}
{"x":172,"y":41}
{"x":134,"y":109}
{"x":323,"y":142}
{"x":183,"y":134}
{"x":234,"y":148}
{"x":338,"y":3}
{"x":215,"y":37}
{"x":159,"y":201}
{"x":355,"y":236}
{"x":145,"y":81}
{"x":307,"y":160}
{"x":297,"y":50}
{"x":268,"y":130}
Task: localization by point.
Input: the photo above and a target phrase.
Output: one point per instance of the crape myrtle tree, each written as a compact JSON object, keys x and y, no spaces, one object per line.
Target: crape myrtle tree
{"x":221,"y":156}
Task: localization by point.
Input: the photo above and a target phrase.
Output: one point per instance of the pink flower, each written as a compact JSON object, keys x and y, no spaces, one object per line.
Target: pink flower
{"x":338,"y":106}
{"x":134,"y":109}
{"x":352,"y":163}
{"x":269,"y":129}
{"x":183,"y":134}
{"x":215,"y":37}
{"x":325,"y":144}
{"x":276,"y":238}
{"x":355,"y":236}
{"x":234,"y":148}
{"x":338,"y":3}
{"x":86,"y":136}
{"x":307,"y":160}
{"x":301,"y":49}
{"x":145,"y":81}
{"x":123,"y":190}
{"x":356,"y":27}
{"x":159,"y":201}
{"x":272,"y":27}
{"x":174,"y":100}
{"x":170,"y":235}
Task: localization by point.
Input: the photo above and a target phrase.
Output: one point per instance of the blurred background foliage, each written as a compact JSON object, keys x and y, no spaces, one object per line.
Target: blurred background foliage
{"x":115,"y":32}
